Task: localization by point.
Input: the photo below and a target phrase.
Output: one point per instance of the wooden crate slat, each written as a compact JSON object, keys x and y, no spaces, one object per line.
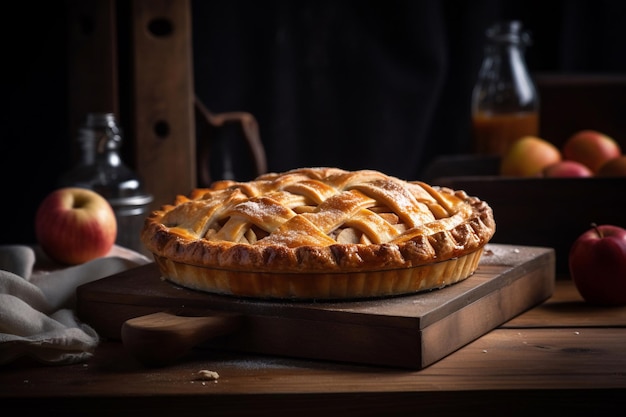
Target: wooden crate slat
{"x":163,"y":122}
{"x":92,"y":60}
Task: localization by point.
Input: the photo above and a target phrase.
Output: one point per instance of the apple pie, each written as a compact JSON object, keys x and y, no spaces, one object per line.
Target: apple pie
{"x":319,"y":234}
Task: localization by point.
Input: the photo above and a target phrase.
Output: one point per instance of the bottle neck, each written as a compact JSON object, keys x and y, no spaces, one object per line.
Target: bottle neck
{"x":100,"y":165}
{"x":504,"y":59}
{"x":504,"y":82}
{"x":99,"y":146}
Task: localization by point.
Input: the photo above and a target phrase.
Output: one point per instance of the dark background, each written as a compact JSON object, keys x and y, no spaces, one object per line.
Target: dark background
{"x":353,"y":84}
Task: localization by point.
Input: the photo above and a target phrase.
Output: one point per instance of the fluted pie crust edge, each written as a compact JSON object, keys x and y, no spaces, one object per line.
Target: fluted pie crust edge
{"x":318,"y":285}
{"x":423,"y":256}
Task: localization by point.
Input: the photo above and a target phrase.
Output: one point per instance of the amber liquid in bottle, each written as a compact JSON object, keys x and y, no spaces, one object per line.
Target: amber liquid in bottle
{"x":495,"y":133}
{"x":505,"y":103}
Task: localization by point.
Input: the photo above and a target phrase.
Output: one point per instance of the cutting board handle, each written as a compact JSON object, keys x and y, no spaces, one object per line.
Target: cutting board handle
{"x":160,"y":338}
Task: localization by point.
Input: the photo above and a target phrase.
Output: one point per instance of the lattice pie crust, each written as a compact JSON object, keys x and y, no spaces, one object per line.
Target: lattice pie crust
{"x":319,"y":233}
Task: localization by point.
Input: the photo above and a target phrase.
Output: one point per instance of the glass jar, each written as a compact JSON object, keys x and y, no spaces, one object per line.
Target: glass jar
{"x":100,"y":168}
{"x":505,"y":103}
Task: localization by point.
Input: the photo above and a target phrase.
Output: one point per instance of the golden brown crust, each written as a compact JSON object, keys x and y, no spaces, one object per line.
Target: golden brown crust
{"x":321,"y":286}
{"x":315,"y":221}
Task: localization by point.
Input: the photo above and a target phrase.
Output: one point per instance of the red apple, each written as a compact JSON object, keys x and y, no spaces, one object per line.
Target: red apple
{"x":591,"y":148}
{"x":597,"y":265}
{"x":615,"y":167}
{"x":565,"y":169}
{"x":75,"y":225}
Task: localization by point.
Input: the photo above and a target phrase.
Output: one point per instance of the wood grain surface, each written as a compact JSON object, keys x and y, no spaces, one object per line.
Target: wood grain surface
{"x":411,"y":331}
{"x":547,"y":361}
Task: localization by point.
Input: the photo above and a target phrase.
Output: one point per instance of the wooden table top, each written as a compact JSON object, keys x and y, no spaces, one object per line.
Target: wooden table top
{"x":562,"y":355}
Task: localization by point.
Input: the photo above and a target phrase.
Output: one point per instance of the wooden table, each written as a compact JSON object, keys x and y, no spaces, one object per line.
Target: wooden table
{"x":562,"y":357}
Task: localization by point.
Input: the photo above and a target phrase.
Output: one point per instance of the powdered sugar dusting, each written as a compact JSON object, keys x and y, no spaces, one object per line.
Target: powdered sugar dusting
{"x":261,"y":208}
{"x":260,"y":363}
{"x":502,"y":255}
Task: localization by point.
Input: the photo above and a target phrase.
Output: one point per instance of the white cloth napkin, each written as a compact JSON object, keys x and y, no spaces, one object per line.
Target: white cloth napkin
{"x":37,"y":307}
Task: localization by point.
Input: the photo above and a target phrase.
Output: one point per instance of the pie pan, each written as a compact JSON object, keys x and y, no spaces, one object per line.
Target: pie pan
{"x":318,"y":285}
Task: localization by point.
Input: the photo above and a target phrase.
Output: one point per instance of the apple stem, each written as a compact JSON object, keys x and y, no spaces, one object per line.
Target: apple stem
{"x":597,"y":229}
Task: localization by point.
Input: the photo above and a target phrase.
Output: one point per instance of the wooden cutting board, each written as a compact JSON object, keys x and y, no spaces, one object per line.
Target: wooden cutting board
{"x":411,"y":331}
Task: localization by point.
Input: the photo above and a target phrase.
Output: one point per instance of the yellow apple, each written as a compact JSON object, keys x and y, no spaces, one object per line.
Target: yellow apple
{"x":591,"y":148}
{"x":75,"y":225}
{"x":528,"y":157}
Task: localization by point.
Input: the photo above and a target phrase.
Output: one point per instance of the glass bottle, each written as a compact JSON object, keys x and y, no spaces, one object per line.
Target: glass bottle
{"x":505,"y":103}
{"x":100,"y":167}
